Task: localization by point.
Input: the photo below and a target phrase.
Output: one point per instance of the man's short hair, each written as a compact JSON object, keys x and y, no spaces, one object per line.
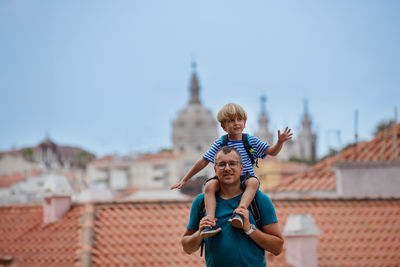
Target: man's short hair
{"x":231,"y":111}
{"x":227,"y":150}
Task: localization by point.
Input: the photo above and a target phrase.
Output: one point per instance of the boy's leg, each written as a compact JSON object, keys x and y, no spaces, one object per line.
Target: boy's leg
{"x":210,"y":203}
{"x":251,"y":186}
{"x":249,"y":193}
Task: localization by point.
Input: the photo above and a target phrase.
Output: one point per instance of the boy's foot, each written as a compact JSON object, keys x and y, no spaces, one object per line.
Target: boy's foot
{"x":236,"y":220}
{"x":210,"y":231}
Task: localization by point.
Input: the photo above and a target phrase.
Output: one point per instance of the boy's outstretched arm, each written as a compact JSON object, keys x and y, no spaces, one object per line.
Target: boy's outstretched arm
{"x":282,"y":138}
{"x":198,"y":166}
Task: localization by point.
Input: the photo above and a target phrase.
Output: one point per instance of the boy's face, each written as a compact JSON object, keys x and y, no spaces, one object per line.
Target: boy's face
{"x":234,"y":126}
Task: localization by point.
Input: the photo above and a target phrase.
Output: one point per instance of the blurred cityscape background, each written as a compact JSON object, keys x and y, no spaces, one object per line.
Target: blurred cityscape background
{"x":104,"y":106}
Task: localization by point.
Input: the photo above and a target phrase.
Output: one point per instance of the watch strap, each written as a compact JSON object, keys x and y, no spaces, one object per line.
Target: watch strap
{"x":251,"y":230}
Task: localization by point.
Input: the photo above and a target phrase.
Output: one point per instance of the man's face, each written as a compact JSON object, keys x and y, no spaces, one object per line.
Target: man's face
{"x":230,"y":174}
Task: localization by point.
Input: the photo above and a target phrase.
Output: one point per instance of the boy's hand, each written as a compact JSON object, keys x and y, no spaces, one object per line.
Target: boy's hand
{"x":178,"y":185}
{"x":285,"y":136}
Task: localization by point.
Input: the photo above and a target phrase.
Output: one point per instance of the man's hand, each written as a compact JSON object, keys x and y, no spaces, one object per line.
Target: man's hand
{"x":191,"y":239}
{"x":285,"y":136}
{"x":178,"y":185}
{"x":245,"y":214}
{"x":206,"y":222}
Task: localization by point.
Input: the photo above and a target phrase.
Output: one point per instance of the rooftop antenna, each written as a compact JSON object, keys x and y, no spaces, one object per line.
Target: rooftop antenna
{"x":338,"y":132}
{"x":356,"y":131}
{"x":383,"y":147}
{"x":394,"y":144}
{"x":356,"y":126}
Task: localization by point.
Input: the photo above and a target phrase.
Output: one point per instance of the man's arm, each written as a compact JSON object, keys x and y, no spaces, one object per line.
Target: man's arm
{"x":191,"y":239}
{"x":282,"y":138}
{"x":270,"y":238}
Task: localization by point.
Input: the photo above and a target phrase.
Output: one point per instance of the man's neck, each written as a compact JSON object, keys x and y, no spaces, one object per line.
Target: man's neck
{"x":230,"y":191}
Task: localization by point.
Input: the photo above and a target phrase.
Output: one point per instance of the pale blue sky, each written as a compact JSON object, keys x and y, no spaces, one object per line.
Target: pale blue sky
{"x":110,"y":76}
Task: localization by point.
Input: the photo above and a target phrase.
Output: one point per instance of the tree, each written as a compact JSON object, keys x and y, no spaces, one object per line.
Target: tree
{"x":83,"y":159}
{"x":300,"y":160}
{"x":27,"y":153}
{"x":382,"y":125}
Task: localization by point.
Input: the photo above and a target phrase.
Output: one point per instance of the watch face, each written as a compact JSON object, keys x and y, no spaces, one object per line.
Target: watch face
{"x":252,"y":229}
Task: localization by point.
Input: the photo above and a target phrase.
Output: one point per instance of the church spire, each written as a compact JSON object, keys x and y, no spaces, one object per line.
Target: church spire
{"x":263,"y":131}
{"x":306,"y":121}
{"x":307,"y":140}
{"x":194,"y":86}
{"x":263,"y":105}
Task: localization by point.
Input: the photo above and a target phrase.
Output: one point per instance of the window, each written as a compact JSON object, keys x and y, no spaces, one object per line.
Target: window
{"x":159,"y":166}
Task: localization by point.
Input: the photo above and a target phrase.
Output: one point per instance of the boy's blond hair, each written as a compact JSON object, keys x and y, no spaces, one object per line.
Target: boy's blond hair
{"x":231,"y":111}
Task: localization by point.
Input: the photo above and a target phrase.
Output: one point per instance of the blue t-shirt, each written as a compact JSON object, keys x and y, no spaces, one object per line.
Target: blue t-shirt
{"x":232,"y":247}
{"x":258,"y":146}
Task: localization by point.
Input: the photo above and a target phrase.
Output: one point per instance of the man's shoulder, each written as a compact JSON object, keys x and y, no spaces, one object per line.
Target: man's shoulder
{"x":262,"y":197}
{"x":266,"y":208}
{"x":198,"y":200}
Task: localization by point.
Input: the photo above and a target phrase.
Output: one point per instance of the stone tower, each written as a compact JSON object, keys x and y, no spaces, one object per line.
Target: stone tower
{"x":195,"y":128}
{"x":307,"y":140}
{"x":263,"y":131}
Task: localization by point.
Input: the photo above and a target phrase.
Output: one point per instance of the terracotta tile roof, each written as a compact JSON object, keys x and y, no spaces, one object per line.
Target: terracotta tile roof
{"x":321,"y":177}
{"x":8,"y":180}
{"x":158,"y":156}
{"x":12,"y":152}
{"x":360,"y":232}
{"x":108,"y":158}
{"x":142,"y":234}
{"x":31,"y":243}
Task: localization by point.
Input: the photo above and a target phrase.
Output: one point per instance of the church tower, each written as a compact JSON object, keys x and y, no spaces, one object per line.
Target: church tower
{"x":263,"y":131}
{"x":195,"y":128}
{"x":307,"y":140}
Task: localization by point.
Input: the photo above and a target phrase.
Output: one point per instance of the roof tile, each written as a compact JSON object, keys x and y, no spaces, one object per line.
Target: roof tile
{"x":358,"y":232}
{"x":321,"y":176}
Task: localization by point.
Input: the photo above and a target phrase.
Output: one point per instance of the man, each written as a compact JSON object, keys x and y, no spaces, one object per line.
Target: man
{"x":233,"y":246}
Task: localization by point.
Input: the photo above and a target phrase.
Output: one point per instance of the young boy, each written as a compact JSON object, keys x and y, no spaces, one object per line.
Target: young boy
{"x":232,"y":118}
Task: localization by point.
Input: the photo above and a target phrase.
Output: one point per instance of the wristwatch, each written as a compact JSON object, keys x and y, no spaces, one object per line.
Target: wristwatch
{"x":252,"y":229}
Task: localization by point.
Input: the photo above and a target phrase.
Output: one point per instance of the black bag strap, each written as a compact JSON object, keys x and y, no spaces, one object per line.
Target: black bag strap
{"x":249,"y":149}
{"x":256,"y":213}
{"x":201,"y":214}
{"x":224,"y":140}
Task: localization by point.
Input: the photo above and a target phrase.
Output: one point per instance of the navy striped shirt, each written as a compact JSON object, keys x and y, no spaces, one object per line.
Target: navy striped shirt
{"x":258,"y":145}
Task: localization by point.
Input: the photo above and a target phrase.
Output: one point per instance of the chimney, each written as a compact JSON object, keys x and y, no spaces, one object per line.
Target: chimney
{"x":301,"y":240}
{"x":57,"y":198}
